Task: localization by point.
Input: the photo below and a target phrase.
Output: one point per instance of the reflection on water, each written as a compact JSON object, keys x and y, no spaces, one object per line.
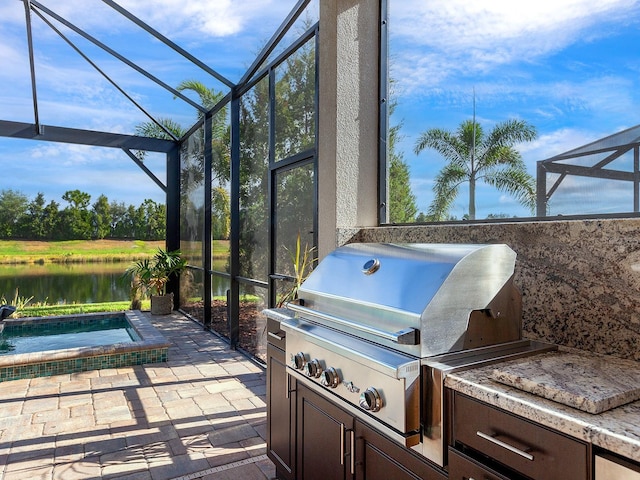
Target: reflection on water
{"x":66,"y":283}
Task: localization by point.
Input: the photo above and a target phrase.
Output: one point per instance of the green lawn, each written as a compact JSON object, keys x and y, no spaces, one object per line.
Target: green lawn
{"x":48,"y":310}
{"x":30,"y":251}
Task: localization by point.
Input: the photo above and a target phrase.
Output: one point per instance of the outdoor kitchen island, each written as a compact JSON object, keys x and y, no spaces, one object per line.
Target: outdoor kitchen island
{"x":365,"y":382}
{"x":355,"y":367}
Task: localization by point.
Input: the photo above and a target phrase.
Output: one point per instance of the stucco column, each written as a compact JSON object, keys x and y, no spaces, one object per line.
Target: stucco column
{"x":348,"y":117}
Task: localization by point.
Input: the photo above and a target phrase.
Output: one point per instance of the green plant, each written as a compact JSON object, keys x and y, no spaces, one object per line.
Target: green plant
{"x":302,"y":261}
{"x":151,"y":275}
{"x":18,"y":302}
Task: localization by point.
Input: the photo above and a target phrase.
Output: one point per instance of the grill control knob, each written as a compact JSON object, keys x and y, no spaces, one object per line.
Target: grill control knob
{"x":313,"y":368}
{"x":298,"y":361}
{"x":330,"y":378}
{"x":370,"y":400}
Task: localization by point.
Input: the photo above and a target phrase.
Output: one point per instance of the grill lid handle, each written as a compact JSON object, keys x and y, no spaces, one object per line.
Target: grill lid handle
{"x":407,"y":336}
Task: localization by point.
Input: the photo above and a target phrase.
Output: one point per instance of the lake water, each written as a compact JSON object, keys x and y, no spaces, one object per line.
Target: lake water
{"x":67,"y":283}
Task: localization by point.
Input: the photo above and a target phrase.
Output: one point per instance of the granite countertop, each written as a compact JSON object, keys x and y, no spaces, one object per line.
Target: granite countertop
{"x":586,"y":381}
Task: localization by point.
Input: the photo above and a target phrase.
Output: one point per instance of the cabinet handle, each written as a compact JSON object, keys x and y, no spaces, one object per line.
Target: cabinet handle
{"x":278,"y":336}
{"x":288,"y":388}
{"x":352,"y":453}
{"x":502,"y":444}
{"x":342,"y":452}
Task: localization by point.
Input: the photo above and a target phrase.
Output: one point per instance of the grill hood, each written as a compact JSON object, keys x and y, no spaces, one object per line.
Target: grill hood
{"x":422,"y":299}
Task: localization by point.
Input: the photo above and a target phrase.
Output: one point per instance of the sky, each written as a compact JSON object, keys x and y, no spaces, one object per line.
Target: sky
{"x":226,"y":35}
{"x":571,"y":68}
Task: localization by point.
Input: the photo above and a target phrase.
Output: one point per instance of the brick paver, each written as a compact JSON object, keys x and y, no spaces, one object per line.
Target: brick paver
{"x":203,"y":411}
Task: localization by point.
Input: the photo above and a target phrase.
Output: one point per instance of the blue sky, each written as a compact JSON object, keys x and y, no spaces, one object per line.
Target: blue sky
{"x":225,"y":34}
{"x":569,"y":67}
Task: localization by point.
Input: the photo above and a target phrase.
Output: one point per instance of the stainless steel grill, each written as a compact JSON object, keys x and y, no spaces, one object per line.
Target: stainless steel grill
{"x":377,"y":327}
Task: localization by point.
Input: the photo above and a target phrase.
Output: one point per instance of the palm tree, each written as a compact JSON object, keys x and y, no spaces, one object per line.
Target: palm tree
{"x":474,"y":157}
{"x":193,"y":171}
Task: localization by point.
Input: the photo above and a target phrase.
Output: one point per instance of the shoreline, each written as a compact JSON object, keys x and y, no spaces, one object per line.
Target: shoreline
{"x":38,"y":252}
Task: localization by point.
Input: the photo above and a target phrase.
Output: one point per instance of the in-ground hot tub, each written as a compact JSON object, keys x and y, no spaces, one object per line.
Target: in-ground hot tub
{"x":143,"y":344}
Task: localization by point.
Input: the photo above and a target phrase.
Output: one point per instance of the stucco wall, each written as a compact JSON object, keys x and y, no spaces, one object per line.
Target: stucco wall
{"x":347,"y":117}
{"x":580,"y":279}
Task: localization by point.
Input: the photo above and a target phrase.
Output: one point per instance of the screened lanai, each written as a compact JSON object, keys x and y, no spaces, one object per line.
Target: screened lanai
{"x":608,"y":167}
{"x":236,"y":160}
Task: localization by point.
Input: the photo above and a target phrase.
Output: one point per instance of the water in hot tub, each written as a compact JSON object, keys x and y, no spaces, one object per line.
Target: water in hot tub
{"x":25,"y":338}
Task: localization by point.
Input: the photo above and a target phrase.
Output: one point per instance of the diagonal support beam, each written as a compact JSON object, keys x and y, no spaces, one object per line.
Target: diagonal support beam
{"x":123,"y":59}
{"x":168,"y":42}
{"x":106,"y":77}
{"x":145,"y":169}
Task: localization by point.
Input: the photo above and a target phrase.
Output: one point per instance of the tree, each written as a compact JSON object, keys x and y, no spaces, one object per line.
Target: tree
{"x":474,"y":157}
{"x":35,"y":213}
{"x":192,"y":162}
{"x":156,"y":130}
{"x":51,"y":221}
{"x":295,"y":119}
{"x":254,"y":172}
{"x":119,"y":220}
{"x":13,"y":208}
{"x":152,"y":216}
{"x":402,"y":201}
{"x":76,"y":217}
{"x":101,"y":217}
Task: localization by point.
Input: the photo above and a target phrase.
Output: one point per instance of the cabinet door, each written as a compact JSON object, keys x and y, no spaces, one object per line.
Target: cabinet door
{"x":379,"y":458}
{"x":462,"y":467}
{"x":280,"y":433}
{"x":324,"y":435}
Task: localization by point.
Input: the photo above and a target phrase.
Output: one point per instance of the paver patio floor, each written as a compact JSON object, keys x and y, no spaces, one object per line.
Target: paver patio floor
{"x":201,"y":415}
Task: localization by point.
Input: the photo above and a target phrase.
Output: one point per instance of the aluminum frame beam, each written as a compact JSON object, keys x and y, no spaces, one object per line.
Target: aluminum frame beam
{"x":84,"y":137}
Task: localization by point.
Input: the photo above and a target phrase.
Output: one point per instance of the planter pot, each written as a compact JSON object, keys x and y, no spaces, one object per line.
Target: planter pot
{"x":161,"y":304}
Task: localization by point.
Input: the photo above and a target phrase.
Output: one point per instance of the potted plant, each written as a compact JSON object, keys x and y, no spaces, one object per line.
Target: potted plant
{"x":150,"y":277}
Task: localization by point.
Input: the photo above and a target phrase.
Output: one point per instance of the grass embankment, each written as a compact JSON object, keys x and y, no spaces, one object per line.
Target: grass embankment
{"x":75,"y":309}
{"x":76,"y":251}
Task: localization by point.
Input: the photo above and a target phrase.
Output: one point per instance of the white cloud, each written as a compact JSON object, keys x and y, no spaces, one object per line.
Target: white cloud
{"x":218,"y":18}
{"x":16,"y":62}
{"x":455,"y":25}
{"x":12,"y":12}
{"x":443,"y":37}
{"x":56,"y":168}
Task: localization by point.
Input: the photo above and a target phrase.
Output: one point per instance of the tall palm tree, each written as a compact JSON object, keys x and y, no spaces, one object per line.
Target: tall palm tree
{"x":193,"y":170}
{"x":472,"y":157}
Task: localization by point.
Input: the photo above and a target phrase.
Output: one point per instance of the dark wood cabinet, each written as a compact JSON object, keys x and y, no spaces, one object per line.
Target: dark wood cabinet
{"x":325,"y":438}
{"x":462,"y":467}
{"x":379,"y":458}
{"x":280,"y":415}
{"x":515,"y":445}
{"x":332,"y":444}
